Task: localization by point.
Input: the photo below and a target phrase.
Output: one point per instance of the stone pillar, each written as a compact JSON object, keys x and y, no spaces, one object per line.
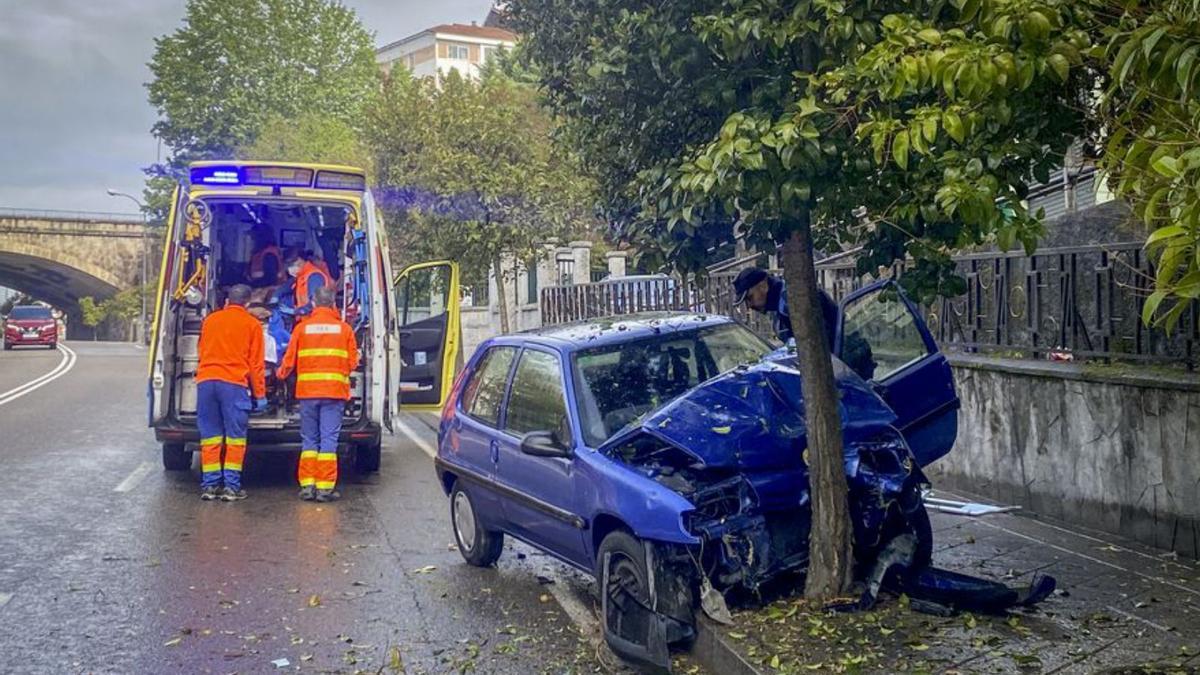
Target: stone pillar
{"x":618,"y":262}
{"x":581,"y":253}
{"x":547,"y":268}
{"x":563,"y":252}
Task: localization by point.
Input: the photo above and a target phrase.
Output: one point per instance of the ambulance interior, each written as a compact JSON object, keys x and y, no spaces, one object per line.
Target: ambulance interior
{"x":237,"y":230}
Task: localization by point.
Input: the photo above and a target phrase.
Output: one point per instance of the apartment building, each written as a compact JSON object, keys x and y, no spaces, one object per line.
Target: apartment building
{"x":435,"y":51}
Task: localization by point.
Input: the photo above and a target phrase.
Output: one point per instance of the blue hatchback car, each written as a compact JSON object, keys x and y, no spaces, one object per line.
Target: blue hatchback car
{"x":665,"y":454}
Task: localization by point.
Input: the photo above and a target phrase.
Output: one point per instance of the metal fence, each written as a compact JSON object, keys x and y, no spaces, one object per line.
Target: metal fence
{"x":1081,"y":302}
{"x":81,"y":216}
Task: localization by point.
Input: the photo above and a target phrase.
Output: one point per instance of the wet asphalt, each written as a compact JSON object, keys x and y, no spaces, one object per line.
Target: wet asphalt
{"x":108,"y":564}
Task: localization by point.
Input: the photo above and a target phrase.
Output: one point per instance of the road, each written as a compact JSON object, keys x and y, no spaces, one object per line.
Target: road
{"x":110,"y":564}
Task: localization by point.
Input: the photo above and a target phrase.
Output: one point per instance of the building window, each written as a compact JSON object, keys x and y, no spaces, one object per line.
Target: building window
{"x":460,"y":52}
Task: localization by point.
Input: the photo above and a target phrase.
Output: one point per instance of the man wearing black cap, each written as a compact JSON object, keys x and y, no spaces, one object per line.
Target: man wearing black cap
{"x":763,"y":292}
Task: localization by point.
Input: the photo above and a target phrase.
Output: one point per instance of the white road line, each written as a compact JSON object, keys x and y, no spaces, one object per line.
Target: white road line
{"x":1135,"y":617}
{"x":136,"y":476}
{"x":1094,"y":559}
{"x":63,"y":367}
{"x":412,"y":436}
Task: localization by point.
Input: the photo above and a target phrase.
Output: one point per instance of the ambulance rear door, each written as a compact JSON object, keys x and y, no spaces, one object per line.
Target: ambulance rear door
{"x":162,"y":332}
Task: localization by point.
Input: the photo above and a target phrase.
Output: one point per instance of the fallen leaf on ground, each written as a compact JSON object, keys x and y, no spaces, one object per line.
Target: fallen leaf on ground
{"x":172,"y":642}
{"x":314,"y":600}
{"x":425,"y":570}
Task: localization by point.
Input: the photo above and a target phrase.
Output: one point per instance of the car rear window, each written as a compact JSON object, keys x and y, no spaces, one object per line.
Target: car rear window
{"x":28,"y":313}
{"x":484,"y":392}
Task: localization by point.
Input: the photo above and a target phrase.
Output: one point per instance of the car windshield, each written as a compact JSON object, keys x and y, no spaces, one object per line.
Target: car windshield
{"x":28,"y":313}
{"x":616,"y":384}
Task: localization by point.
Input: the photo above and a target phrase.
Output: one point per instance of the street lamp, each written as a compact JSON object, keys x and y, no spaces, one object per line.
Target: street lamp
{"x":145,"y":224}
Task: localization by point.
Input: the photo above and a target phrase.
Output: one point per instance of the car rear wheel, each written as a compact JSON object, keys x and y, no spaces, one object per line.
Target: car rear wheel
{"x":53,"y":346}
{"x":367,"y":457}
{"x":479,"y":546}
{"x":7,"y":346}
{"x":176,"y":457}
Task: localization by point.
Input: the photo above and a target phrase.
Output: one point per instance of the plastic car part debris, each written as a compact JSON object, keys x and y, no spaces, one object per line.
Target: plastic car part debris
{"x":966,"y":508}
{"x":898,"y":553}
{"x":962,"y":592}
{"x":713,"y":603}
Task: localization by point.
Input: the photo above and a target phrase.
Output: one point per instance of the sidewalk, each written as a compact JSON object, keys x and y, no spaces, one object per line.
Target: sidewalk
{"x":1120,"y":607}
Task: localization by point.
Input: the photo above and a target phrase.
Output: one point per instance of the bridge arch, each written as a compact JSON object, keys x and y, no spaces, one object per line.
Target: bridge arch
{"x":55,"y":276}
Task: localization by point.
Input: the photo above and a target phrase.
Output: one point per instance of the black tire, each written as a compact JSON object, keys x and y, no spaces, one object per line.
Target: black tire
{"x":176,"y":457}
{"x":367,"y":458}
{"x":626,"y":559}
{"x":53,"y":346}
{"x":7,"y":347}
{"x":479,"y":546}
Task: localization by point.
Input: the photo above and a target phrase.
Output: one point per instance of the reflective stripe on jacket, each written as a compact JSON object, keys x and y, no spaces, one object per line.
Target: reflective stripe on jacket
{"x":231,"y":349}
{"x":323,"y":353}
{"x":302,"y":283}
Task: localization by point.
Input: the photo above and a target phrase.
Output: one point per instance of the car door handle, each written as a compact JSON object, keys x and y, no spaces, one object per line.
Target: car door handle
{"x":495,"y":447}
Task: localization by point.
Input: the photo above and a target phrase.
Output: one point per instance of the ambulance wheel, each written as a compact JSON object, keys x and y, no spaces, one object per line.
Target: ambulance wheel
{"x":366,"y":457}
{"x":176,"y":457}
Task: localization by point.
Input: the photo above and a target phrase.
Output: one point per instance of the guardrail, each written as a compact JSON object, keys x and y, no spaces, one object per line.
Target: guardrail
{"x":80,"y":216}
{"x":1078,"y":303}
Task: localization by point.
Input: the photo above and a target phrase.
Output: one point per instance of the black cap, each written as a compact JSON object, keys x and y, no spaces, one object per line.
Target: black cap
{"x":747,"y":279}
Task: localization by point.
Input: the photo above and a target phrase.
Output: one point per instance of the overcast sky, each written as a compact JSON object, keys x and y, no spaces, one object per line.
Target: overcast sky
{"x":74,"y":119}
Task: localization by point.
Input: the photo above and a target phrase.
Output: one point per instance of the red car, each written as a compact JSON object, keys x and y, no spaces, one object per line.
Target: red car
{"x":30,"y":325}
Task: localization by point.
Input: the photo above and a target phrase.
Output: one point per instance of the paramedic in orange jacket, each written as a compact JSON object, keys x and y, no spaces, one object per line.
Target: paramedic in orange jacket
{"x":231,"y":360}
{"x":323,"y":353}
{"x":309,"y":277}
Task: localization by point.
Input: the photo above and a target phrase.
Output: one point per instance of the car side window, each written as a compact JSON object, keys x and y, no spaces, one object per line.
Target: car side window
{"x":484,"y":393}
{"x":880,"y":336}
{"x":537,"y":401}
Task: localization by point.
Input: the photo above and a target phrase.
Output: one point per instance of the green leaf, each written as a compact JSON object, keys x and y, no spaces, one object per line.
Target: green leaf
{"x":954,"y":126}
{"x":900,"y":150}
{"x":1062,"y":67}
{"x":929,"y":128}
{"x":931,"y":36}
{"x":1167,"y":232}
{"x":1151,"y":306}
{"x":1183,"y":69}
{"x":1166,"y":166}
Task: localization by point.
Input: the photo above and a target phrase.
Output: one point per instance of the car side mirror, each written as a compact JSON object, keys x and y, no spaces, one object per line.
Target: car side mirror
{"x":544,"y":444}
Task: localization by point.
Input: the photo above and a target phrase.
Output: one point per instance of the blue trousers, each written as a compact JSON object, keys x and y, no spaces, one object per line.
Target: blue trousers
{"x":320,"y":424}
{"x":222,"y":413}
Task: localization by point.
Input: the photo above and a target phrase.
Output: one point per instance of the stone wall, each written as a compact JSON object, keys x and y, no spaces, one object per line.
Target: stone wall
{"x":1116,"y":449}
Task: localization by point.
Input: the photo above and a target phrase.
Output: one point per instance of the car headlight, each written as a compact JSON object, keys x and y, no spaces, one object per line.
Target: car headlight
{"x":885,"y":452}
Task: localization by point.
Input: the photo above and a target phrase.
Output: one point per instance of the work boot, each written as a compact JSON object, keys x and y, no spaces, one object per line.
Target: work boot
{"x":328,"y":495}
{"x":231,"y":495}
{"x":209,"y":494}
{"x":308,"y":493}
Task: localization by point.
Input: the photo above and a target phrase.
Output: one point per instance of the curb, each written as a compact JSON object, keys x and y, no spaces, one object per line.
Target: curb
{"x":713,"y":651}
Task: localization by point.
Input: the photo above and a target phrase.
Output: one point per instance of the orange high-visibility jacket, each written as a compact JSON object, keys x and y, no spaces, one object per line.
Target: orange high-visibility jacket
{"x":231,"y":349}
{"x":256,"y":263}
{"x":323,"y":353}
{"x":302,"y":279}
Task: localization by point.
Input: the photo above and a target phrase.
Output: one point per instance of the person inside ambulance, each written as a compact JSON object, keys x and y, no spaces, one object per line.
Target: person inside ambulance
{"x":308,"y":278}
{"x":266,"y":263}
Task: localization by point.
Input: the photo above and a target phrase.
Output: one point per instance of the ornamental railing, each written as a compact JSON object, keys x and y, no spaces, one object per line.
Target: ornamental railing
{"x":1072,"y":303}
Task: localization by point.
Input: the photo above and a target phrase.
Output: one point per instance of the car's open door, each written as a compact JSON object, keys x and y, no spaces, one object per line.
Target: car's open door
{"x":882,"y":337}
{"x":429,"y":333}
{"x":162,"y":330}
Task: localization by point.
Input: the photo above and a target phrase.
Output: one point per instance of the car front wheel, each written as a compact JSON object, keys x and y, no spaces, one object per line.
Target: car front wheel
{"x":479,"y":546}
{"x":367,"y":458}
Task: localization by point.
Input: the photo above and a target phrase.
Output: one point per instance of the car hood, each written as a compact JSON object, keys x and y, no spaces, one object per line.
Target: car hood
{"x":752,"y":418}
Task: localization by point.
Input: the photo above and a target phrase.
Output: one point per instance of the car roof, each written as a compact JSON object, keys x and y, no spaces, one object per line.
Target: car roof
{"x":611,"y":330}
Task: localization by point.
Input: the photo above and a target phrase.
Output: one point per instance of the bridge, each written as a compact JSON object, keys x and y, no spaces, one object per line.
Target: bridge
{"x":62,"y":256}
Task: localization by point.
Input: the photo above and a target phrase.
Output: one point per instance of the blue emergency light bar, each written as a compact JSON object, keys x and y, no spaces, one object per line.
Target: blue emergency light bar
{"x":278,"y":176}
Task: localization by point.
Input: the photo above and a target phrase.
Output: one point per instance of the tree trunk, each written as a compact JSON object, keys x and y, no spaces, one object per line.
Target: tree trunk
{"x":831,"y":554}
{"x":501,"y":296}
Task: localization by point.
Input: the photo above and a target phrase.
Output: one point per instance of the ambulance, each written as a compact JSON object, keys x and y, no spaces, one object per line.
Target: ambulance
{"x":226,"y":222}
